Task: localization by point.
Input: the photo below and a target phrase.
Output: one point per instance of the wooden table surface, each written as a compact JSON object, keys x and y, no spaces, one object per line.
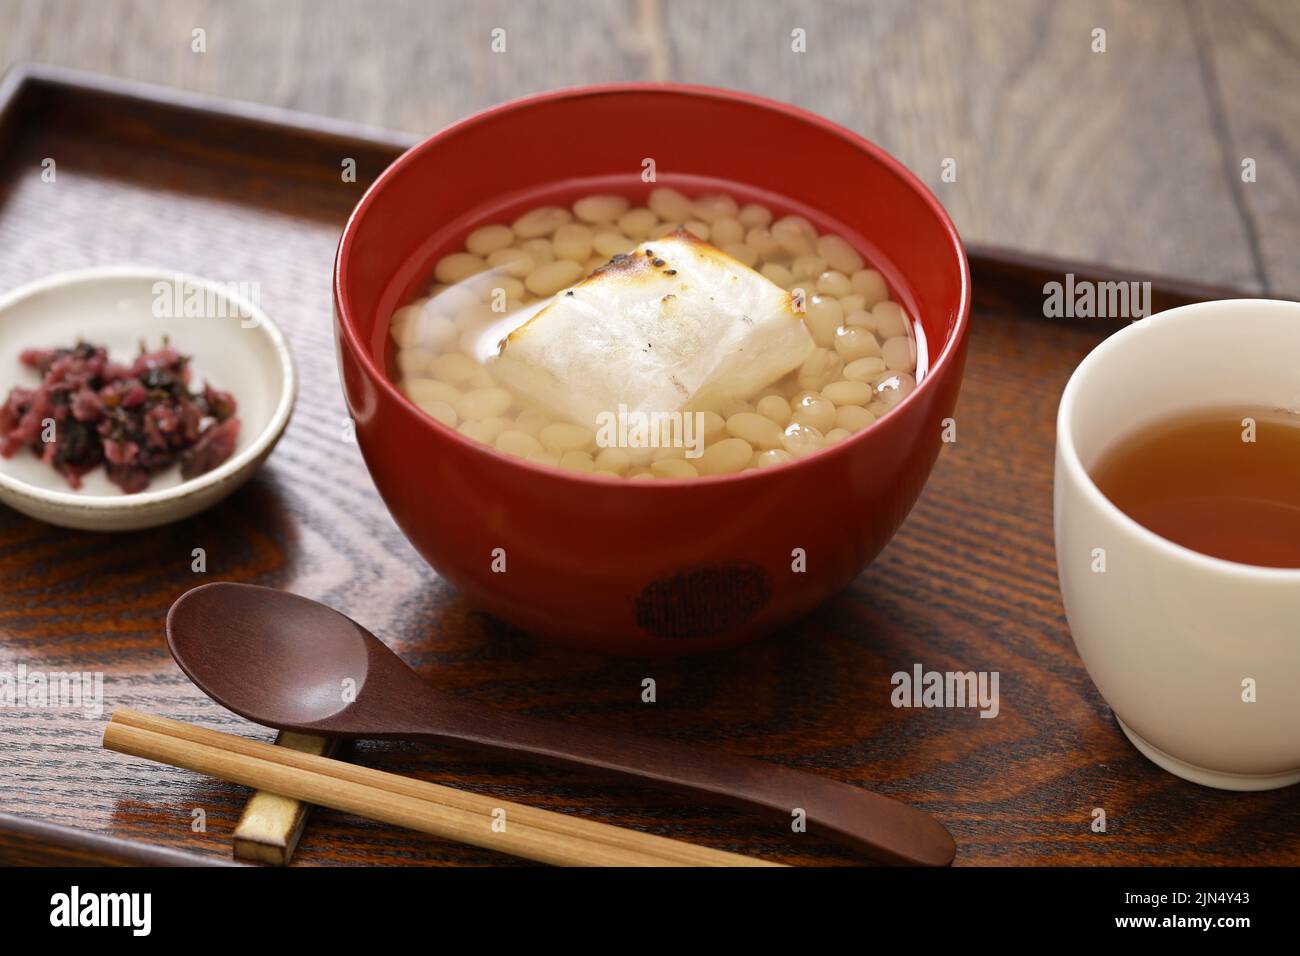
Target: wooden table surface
{"x":1058,"y":164}
{"x":1132,"y":156}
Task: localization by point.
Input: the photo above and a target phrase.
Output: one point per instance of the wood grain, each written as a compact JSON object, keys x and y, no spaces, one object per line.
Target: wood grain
{"x":1250,"y":58}
{"x":969,"y":582}
{"x":1119,"y":157}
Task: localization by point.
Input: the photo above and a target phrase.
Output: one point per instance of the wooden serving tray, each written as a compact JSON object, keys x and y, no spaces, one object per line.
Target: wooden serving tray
{"x":236,"y":192}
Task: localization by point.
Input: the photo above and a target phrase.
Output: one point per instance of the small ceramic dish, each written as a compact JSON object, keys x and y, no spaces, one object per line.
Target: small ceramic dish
{"x":232,"y":343}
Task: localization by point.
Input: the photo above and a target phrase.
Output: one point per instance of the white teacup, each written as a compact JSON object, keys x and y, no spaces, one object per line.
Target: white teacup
{"x":1171,"y":637}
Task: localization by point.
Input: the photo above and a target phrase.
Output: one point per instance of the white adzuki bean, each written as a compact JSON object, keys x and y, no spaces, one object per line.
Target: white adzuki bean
{"x":820,"y":367}
{"x":577,"y":461}
{"x":776,"y":408}
{"x":814,"y":411}
{"x":808,"y":268}
{"x":540,"y":250}
{"x":752,"y":214}
{"x":792,"y":234}
{"x":422,"y":390}
{"x":733,"y":406}
{"x":511,"y":262}
{"x":848,"y":393}
{"x":565,"y":437}
{"x":870,"y":284}
{"x":759,"y":430}
{"x":541,"y":221}
{"x":853,"y":343}
{"x":852,"y":303}
{"x":458,"y":266}
{"x":894,"y":389}
{"x":716,"y":207}
{"x":531,"y":421}
{"x":637,"y":223}
{"x":725,"y":232}
{"x":890,"y":320}
{"x":669,"y":204}
{"x":453,"y":367}
{"x":514,"y":442}
{"x":834,"y":283}
{"x":441,"y":411}
{"x":899,"y":353}
{"x":853,"y":418}
{"x":549,"y":279}
{"x":801,"y":439}
{"x":725,"y":457}
{"x":741,"y":252}
{"x":715,"y":426}
{"x":673,"y":468}
{"x":760,"y":239}
{"x":774,"y":456}
{"x":864,"y":369}
{"x":824,"y":315}
{"x":573,"y":241}
{"x":485,"y":431}
{"x":615,"y":460}
{"x":600,"y":209}
{"x":488,"y":239}
{"x":484,"y":403}
{"x":609,"y":243}
{"x":841,"y":256}
{"x":429,"y":329}
{"x":777,"y":273}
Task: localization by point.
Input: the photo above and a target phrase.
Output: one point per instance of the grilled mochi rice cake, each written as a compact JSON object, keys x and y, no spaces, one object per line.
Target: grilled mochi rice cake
{"x":675,"y":324}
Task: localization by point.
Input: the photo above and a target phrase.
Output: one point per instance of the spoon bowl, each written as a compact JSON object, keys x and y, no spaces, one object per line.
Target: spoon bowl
{"x":288,"y":662}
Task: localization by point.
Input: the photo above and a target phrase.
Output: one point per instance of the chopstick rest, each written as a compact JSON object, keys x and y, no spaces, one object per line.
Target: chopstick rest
{"x":271,"y":825}
{"x":528,"y":832}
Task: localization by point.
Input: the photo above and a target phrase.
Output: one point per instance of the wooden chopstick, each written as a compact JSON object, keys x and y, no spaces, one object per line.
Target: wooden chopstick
{"x":454,"y":814}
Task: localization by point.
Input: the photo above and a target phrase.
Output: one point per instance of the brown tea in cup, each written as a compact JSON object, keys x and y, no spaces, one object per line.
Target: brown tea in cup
{"x":1224,"y":481}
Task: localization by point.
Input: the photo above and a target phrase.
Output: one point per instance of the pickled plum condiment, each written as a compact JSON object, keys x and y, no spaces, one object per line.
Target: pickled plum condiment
{"x":136,"y":419}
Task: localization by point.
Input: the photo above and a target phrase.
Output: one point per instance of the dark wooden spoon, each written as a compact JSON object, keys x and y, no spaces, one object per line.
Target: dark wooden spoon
{"x":294,"y":664}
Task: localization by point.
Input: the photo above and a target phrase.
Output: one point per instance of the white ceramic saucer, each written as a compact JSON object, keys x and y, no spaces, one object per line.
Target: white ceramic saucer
{"x":232,"y":343}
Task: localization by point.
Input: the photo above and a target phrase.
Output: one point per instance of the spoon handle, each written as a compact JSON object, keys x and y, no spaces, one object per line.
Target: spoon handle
{"x":885,"y":829}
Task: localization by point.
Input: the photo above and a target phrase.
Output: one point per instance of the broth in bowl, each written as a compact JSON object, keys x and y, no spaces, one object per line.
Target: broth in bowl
{"x":685,"y":337}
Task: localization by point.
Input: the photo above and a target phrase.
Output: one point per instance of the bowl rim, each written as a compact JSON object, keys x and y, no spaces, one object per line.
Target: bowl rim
{"x":347,"y":324}
{"x":1071,"y":463}
{"x":233,"y":466}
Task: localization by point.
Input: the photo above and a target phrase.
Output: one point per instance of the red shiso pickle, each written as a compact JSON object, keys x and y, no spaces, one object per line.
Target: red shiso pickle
{"x":135,"y":419}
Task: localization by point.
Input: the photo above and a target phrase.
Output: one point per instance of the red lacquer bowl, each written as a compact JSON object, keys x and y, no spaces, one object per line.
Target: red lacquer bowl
{"x":660,"y":567}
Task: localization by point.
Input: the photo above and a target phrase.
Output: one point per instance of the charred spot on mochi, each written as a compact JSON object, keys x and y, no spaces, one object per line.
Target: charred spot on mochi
{"x":625,"y":263}
{"x":701,"y":601}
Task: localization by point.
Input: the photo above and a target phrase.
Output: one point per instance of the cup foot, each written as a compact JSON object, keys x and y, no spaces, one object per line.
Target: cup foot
{"x":1209,"y":778}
